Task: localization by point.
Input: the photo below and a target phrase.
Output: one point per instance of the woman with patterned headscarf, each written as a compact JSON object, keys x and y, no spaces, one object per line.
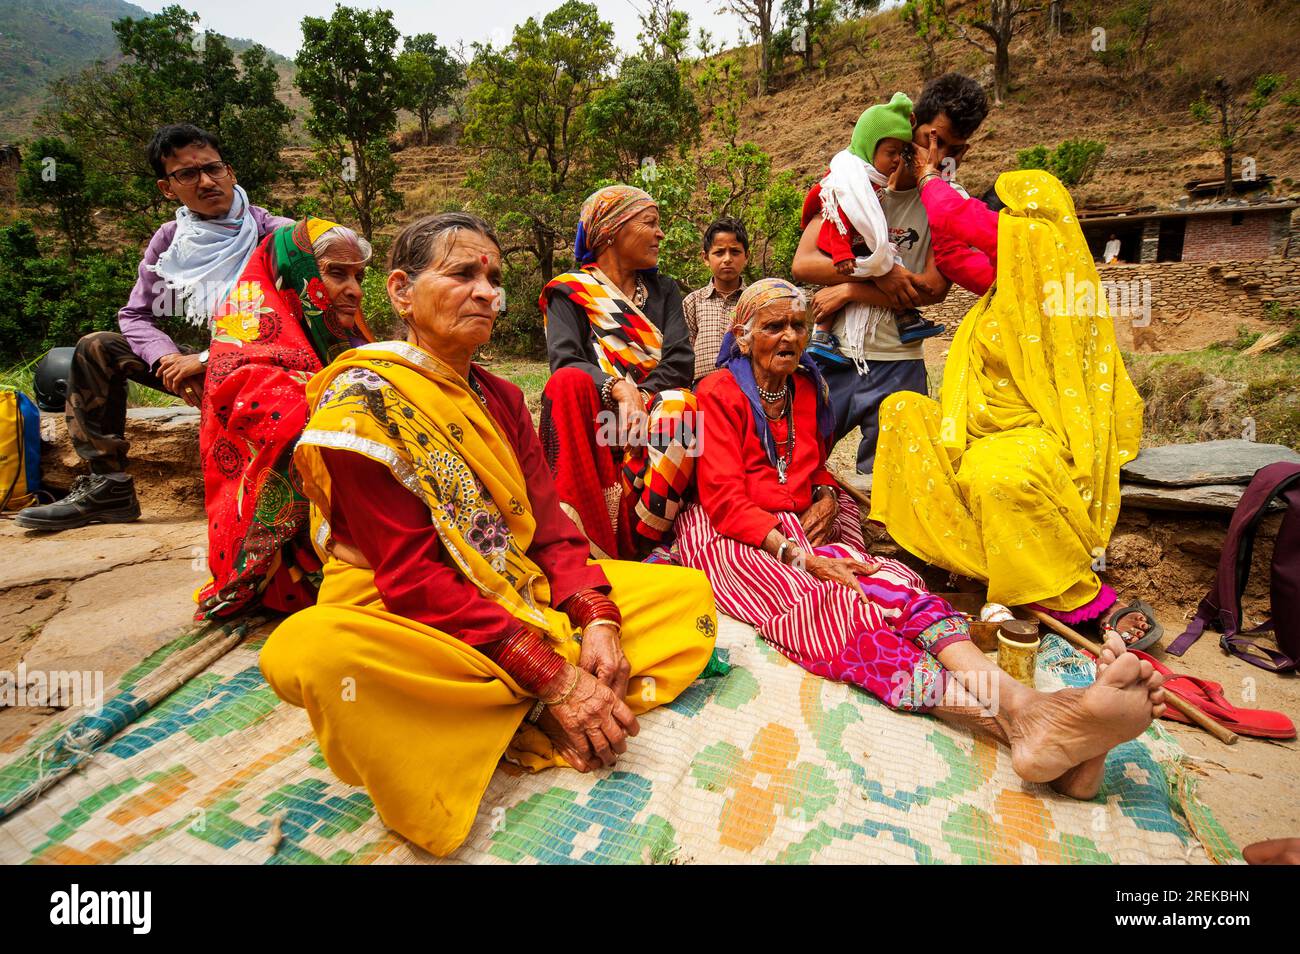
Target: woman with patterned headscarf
{"x":616,"y":416}
{"x":782,"y":548}
{"x":295,"y":308}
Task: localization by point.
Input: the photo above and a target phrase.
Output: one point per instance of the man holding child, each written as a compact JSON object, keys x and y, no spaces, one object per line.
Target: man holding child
{"x":874,"y":277}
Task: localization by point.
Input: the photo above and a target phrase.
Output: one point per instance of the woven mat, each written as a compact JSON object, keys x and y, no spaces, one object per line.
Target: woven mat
{"x":765,"y":764}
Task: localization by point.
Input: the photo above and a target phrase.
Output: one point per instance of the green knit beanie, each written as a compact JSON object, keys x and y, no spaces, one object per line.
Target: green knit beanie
{"x":892,"y":120}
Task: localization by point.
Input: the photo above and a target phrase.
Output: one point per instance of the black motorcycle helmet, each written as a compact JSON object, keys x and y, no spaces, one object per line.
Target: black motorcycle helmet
{"x":51,"y":379}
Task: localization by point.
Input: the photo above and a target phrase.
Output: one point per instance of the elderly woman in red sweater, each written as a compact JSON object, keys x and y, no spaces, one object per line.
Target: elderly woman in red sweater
{"x":783,"y":551}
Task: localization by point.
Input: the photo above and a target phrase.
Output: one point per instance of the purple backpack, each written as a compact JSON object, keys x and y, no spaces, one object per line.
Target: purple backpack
{"x":1221,"y":608}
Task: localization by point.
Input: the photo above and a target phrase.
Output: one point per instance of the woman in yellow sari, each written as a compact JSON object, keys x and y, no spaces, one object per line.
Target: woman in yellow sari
{"x":459,"y":620}
{"x":1014,"y":478}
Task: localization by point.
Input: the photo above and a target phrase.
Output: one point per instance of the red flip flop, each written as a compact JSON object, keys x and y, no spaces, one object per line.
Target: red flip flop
{"x":1209,"y":698}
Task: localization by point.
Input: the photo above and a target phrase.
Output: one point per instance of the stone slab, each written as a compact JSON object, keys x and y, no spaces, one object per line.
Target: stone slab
{"x":1206,"y":462}
{"x":1214,"y":498}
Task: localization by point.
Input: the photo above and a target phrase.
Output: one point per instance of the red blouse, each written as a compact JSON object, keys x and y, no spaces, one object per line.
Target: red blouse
{"x":392,"y":528}
{"x":738,"y":486}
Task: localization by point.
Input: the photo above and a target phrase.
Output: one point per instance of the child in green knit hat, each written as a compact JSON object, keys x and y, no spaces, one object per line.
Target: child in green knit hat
{"x":880,"y":139}
{"x":852,"y":214}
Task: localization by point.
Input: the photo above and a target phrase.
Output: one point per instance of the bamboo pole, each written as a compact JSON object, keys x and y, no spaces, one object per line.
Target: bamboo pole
{"x":863,"y":500}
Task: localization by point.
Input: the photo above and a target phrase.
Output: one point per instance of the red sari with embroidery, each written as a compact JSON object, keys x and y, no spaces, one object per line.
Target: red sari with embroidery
{"x":275,"y":330}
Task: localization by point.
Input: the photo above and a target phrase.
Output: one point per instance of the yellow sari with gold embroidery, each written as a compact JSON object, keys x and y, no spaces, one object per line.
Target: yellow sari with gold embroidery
{"x":1014,"y":478}
{"x":415,"y":714}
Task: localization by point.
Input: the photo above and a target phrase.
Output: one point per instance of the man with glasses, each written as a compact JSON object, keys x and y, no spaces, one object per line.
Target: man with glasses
{"x":189,"y":266}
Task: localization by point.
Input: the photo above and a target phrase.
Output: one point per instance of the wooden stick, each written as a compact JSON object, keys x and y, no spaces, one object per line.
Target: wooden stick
{"x":1199,"y":718}
{"x":863,"y":500}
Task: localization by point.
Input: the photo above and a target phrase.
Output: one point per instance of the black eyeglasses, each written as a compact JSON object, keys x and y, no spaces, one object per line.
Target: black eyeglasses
{"x":215,"y":171}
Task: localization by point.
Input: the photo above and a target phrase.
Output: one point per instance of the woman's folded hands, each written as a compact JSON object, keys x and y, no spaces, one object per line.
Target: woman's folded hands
{"x":591,"y":724}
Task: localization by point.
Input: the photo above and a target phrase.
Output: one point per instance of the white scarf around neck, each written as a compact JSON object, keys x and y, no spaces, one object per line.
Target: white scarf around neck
{"x":850,"y":186}
{"x":207,"y":256}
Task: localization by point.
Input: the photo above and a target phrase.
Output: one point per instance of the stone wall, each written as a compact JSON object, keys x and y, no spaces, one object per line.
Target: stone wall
{"x":1232,"y":289}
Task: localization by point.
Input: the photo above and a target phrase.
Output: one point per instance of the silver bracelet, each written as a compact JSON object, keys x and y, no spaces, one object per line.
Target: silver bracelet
{"x":781,"y":550}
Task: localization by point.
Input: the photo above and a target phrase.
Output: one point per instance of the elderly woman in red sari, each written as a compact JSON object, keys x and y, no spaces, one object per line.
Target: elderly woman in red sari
{"x":460,"y":620}
{"x":617,"y":418}
{"x":296,"y":306}
{"x":783,"y":550}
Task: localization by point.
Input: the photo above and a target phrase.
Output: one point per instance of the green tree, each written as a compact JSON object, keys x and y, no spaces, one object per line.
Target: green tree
{"x":48,"y":299}
{"x":1002,"y":22}
{"x":665,"y":32}
{"x":53,"y":180}
{"x":648,"y":113}
{"x":732,"y":178}
{"x":760,"y":18}
{"x":928,"y":20}
{"x":538,"y":152}
{"x":170,"y":73}
{"x":347,"y":70}
{"x":807,"y":23}
{"x":428,"y":78}
{"x":1232,"y":110}
{"x":1073,"y":161}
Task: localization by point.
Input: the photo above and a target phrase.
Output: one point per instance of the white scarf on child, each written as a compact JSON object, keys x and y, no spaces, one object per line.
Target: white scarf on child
{"x":850,"y":186}
{"x":207,"y":256}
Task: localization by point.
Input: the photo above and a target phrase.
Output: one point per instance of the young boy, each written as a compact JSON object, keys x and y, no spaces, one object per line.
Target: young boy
{"x":708,"y":310}
{"x":854,"y":232}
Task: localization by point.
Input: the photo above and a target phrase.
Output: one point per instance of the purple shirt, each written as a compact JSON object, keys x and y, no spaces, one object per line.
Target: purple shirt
{"x":137,"y":321}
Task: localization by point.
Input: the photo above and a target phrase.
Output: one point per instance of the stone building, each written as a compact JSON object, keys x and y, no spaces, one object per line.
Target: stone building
{"x":1231,"y":230}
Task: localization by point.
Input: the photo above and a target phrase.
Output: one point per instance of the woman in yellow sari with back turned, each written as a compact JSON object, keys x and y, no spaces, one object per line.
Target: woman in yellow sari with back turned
{"x":459,"y":620}
{"x":1014,"y":478}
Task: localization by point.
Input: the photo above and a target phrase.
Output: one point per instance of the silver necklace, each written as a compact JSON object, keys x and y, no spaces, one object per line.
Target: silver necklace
{"x":641,"y":293}
{"x":783,"y":460}
{"x":771,"y":397}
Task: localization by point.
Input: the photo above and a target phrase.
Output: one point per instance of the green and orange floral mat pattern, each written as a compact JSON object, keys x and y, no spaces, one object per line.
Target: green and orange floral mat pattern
{"x":766,"y":764}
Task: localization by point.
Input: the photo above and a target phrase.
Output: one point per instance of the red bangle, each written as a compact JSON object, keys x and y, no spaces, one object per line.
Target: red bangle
{"x":587,"y":605}
{"x":529,"y":659}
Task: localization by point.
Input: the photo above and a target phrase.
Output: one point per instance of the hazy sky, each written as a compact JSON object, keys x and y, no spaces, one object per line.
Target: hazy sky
{"x":276,"y":24}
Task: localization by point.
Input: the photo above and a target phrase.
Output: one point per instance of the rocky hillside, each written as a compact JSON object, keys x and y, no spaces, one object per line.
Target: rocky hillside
{"x":45,"y":40}
{"x":1061,"y":90}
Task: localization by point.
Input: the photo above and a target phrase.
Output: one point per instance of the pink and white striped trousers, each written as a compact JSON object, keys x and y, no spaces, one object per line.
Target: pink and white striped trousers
{"x":886,"y":645}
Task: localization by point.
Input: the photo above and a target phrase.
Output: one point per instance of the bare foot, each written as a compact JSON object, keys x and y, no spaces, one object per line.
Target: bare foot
{"x":1055,"y":734}
{"x":1278,"y":851}
{"x":1084,"y":780}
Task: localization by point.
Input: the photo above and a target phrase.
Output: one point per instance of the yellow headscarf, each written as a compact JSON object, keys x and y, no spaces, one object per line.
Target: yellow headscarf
{"x":401,"y":406}
{"x":1039,"y":350}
